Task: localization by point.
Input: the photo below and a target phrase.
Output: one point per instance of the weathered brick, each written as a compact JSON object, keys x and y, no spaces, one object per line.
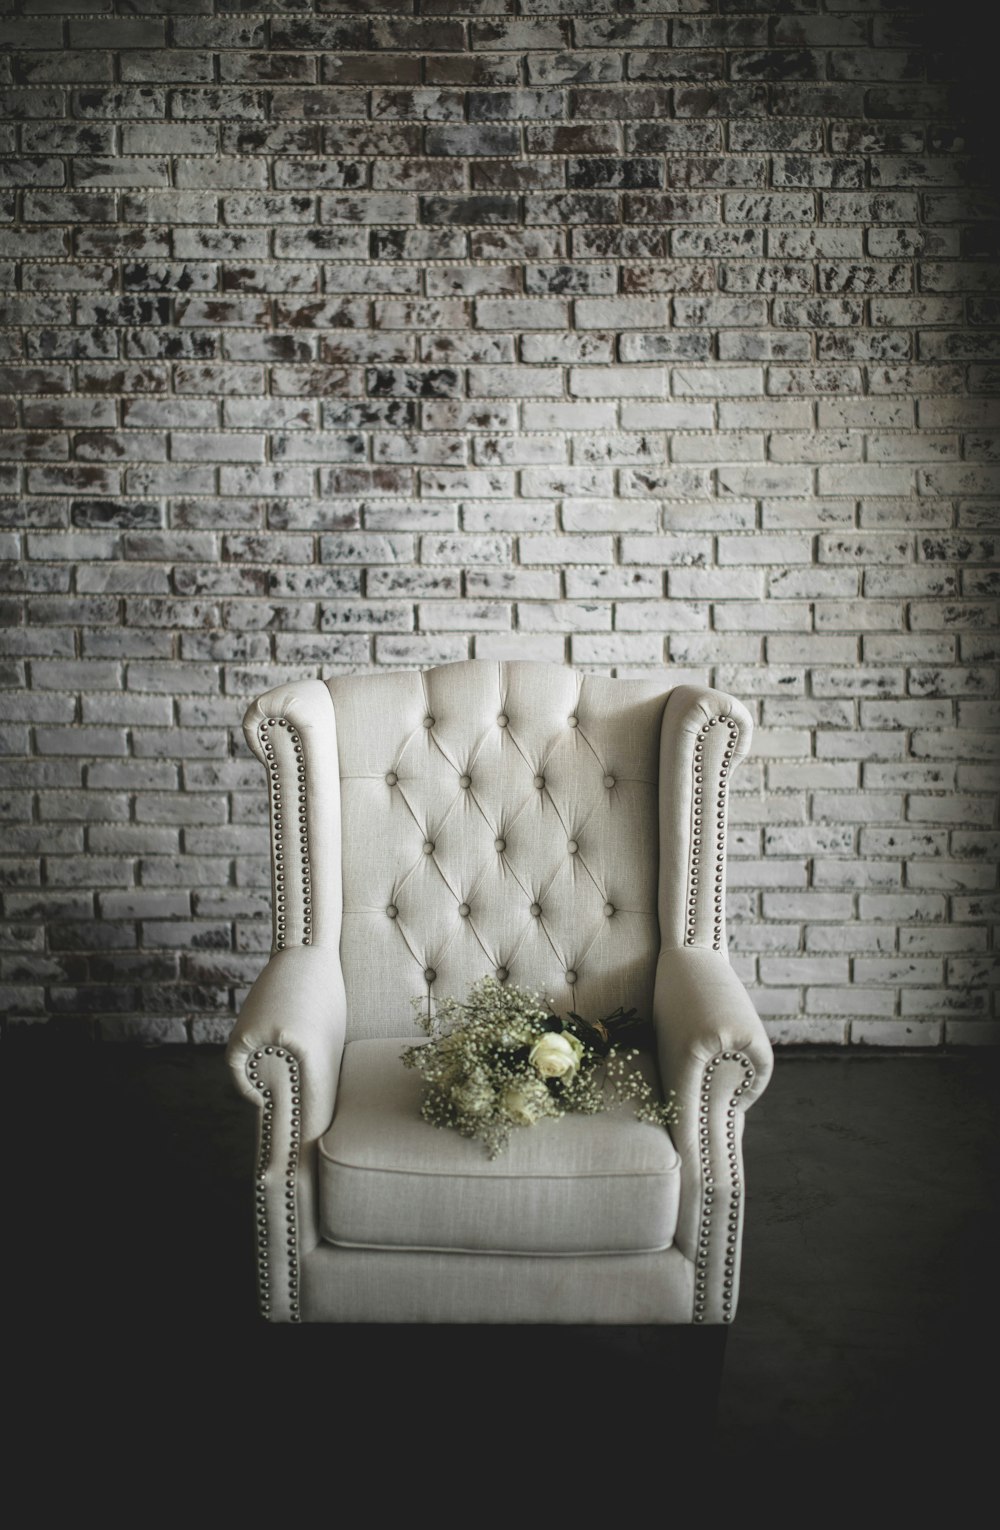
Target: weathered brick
{"x":675,"y":366}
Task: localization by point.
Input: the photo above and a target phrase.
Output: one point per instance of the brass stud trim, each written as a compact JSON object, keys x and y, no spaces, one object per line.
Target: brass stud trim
{"x":299,"y":816}
{"x":711,"y":1272}
{"x":268,"y":1259}
{"x":704,"y":820}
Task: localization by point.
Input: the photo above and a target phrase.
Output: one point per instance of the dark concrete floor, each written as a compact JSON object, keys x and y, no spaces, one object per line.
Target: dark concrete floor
{"x":865,"y":1329}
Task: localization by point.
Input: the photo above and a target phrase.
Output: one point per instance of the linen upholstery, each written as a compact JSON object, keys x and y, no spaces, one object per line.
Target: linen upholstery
{"x":640,"y":784}
{"x":580,"y":1185}
{"x":559,"y":815}
{"x":349,"y":1285}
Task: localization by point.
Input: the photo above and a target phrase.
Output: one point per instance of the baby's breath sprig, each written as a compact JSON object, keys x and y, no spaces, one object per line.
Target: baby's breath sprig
{"x":501,"y":1058}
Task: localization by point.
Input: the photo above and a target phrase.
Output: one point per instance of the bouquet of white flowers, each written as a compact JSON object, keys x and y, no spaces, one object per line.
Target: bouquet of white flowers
{"x":502,"y":1059}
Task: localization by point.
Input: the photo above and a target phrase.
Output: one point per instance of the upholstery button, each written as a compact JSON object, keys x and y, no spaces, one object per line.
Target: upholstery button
{"x":574,"y":722}
{"x":572,"y":846}
{"x":570,"y":976}
{"x":464,"y":910}
{"x":502,"y":720}
{"x":502,"y":974}
{"x":465,"y":780}
{"x":609,"y":781}
{"x":428,"y":847}
{"x":391,"y":910}
{"x":391,"y":778}
{"x":500,"y":844}
{"x":536,"y":909}
{"x":609,"y":909}
{"x":539,"y":782}
{"x":430,"y":974}
{"x":428,"y":722}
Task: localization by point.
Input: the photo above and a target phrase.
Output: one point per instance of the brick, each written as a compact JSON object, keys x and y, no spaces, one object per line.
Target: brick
{"x":950,"y":876}
{"x":563,"y":616}
{"x":670,"y":357}
{"x":521,"y":313}
{"x":513,"y":645}
{"x":608,"y":515}
{"x":617,"y":382}
{"x":617,"y":648}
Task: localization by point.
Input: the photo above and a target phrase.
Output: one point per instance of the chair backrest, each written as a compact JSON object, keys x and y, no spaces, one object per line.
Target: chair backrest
{"x":497,"y":818}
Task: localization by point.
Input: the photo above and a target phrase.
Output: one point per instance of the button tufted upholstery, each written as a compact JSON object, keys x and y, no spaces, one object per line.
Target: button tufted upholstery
{"x":485,"y":786}
{"x":560,"y":830}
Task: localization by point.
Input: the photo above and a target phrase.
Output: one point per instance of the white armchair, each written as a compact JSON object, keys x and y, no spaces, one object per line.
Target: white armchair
{"x":561,"y":829}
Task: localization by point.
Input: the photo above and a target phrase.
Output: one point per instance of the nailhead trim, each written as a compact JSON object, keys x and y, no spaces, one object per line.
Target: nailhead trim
{"x":265,"y":1145}
{"x":735,"y":1188}
{"x":698,"y":826}
{"x":278,"y":830}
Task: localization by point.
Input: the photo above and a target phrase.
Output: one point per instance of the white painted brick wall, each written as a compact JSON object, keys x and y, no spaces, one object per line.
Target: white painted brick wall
{"x":656,"y":339}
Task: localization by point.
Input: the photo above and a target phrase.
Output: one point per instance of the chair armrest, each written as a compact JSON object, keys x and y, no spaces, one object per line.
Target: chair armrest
{"x":284,"y":1054}
{"x":701,"y":1010}
{"x":297,"y":1004}
{"x":714,"y":1053}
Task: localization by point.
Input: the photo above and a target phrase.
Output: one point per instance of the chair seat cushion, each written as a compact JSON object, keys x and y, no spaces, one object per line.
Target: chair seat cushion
{"x":577,"y":1185}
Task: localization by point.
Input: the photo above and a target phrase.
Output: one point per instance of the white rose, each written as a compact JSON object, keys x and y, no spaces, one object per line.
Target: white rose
{"x":556,"y":1055}
{"x":526,"y":1100}
{"x":474,"y":1096}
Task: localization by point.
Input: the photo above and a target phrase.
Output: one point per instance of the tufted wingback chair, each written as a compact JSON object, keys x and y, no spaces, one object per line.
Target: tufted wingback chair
{"x":562,"y":830}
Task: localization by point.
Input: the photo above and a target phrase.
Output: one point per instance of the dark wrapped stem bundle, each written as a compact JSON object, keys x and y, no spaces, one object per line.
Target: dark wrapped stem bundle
{"x":623,"y":1027}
